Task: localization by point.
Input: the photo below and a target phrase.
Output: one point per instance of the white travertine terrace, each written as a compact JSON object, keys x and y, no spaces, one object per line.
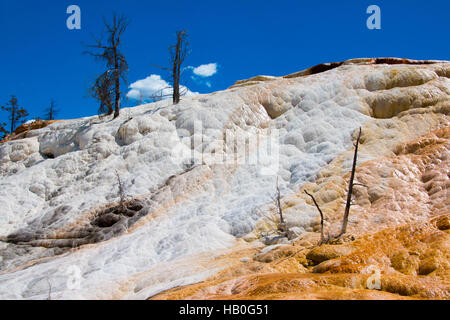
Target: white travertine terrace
{"x":58,"y":176}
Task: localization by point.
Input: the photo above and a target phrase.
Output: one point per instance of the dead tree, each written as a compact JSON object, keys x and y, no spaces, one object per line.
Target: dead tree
{"x":350,"y":187}
{"x":122,"y":195}
{"x":49,"y":295}
{"x":349,"y":197}
{"x":178,"y":53}
{"x":51,"y":111}
{"x":277,"y":201}
{"x":110,"y":54}
{"x":16,"y":114}
{"x":322,"y":219}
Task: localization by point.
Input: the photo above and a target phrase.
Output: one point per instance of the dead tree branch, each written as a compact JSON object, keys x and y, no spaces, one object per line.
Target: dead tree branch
{"x":280,"y":210}
{"x":122,"y":195}
{"x":322,"y":236}
{"x":49,"y":295}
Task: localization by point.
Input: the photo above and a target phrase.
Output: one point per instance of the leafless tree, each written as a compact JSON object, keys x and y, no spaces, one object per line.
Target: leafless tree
{"x":122,"y":195}
{"x":178,"y":53}
{"x":117,"y":66}
{"x":16,"y":114}
{"x":350,"y":187}
{"x":49,"y":295}
{"x":349,"y":197}
{"x":51,"y":111}
{"x":277,"y":201}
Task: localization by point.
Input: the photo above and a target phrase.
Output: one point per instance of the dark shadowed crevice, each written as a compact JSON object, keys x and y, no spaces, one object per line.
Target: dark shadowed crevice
{"x":323,"y":67}
{"x":48,"y":155}
{"x":402,"y":61}
{"x":104,"y":225}
{"x":315,"y":70}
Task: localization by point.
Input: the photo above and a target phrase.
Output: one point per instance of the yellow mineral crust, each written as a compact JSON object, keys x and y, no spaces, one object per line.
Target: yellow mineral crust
{"x":412,"y":261}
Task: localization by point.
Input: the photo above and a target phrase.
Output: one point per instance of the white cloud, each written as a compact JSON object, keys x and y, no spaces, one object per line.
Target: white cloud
{"x":206,"y":70}
{"x":154,"y":85}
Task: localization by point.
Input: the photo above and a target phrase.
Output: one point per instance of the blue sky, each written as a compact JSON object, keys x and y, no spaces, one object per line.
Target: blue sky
{"x":41,"y":59}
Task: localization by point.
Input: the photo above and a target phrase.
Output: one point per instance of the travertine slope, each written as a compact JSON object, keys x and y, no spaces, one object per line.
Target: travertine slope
{"x":199,"y":193}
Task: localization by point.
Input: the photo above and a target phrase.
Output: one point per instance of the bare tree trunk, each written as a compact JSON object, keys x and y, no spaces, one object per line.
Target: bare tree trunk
{"x":350,"y":188}
{"x":176,"y":90}
{"x":117,"y":99}
{"x":117,"y":83}
{"x":178,"y":53}
{"x":50,"y":111}
{"x":13,"y":120}
{"x":278,"y":202}
{"x":49,"y":295}
{"x":121,"y":192}
{"x":176,"y":68}
{"x":110,"y":110}
{"x":322,"y":236}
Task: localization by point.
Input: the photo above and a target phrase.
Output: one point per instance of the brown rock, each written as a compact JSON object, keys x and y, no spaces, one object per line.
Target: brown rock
{"x":106,"y":220}
{"x":326,"y":266}
{"x":281,"y":252}
{"x":405,"y":263}
{"x":327,"y":252}
{"x":428,"y":265}
{"x":443,"y":223}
